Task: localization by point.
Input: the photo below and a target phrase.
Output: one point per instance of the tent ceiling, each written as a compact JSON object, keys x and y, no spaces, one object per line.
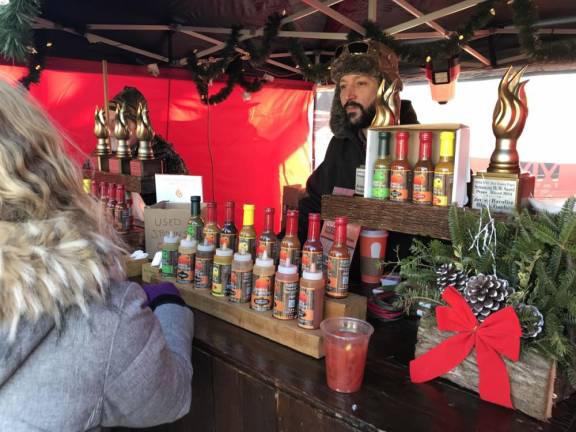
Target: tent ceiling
{"x":152,"y":31}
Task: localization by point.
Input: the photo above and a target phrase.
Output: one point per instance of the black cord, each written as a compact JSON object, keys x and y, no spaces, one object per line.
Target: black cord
{"x":210,"y":152}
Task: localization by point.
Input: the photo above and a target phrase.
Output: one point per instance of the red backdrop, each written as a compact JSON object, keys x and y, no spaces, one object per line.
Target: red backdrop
{"x":245,"y":150}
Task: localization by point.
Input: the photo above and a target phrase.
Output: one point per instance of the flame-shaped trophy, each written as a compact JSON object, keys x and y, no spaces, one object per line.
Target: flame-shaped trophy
{"x":120,"y":164}
{"x":387,"y":105}
{"x":503,"y":187}
{"x":103,"y":151}
{"x":145,"y":164}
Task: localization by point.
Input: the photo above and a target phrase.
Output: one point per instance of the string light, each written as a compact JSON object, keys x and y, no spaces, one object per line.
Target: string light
{"x":460,"y":37}
{"x":428,"y":59}
{"x":493,"y":11}
{"x":49,"y":44}
{"x":37,"y":67}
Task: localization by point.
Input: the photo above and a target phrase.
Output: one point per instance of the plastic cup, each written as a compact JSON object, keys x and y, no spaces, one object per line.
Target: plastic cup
{"x":345,"y":345}
{"x":372,"y":251}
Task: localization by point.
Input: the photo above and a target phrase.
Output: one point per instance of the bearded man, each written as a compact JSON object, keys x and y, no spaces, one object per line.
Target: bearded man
{"x":357,"y":71}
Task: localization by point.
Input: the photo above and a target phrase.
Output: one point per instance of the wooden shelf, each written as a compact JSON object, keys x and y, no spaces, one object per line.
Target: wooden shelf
{"x":142,"y":185}
{"x":405,"y":218}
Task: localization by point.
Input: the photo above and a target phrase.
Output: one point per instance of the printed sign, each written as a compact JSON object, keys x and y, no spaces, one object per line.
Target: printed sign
{"x":498,"y":194}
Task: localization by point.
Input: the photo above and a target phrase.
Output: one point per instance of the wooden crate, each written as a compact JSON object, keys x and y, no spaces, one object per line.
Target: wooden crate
{"x":534,"y":379}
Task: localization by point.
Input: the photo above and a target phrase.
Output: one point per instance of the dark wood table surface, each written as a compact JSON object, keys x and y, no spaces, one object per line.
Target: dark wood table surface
{"x":388,"y":401}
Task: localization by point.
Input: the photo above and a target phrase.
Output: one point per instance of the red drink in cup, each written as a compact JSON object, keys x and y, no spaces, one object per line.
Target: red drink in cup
{"x":345,"y":345}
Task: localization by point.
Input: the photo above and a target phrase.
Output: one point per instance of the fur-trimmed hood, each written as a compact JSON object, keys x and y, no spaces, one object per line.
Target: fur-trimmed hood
{"x":47,"y":266}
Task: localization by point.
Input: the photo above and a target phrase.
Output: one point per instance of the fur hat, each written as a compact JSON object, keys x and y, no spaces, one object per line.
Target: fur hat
{"x":131,"y":98}
{"x":366,"y":57}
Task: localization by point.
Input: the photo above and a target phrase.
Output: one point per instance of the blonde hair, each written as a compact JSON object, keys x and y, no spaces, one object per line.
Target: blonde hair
{"x":42,"y":187}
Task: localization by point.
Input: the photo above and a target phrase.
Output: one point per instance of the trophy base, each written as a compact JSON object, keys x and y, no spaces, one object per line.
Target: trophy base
{"x":99,"y":162}
{"x":145,"y":168}
{"x":119,"y":166}
{"x":500,"y":192}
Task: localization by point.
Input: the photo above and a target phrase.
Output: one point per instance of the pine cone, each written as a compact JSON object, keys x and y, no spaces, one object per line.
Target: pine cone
{"x":448,"y":275}
{"x":531,"y":320}
{"x":486,"y":294}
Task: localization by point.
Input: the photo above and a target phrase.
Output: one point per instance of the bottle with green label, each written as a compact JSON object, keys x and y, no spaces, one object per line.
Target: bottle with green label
{"x":169,"y":256}
{"x":444,"y":171}
{"x":381,"y":175}
{"x":195,"y":227}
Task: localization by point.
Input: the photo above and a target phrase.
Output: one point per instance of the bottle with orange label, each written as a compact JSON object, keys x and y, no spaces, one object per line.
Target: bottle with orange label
{"x":211,"y":231}
{"x":290,"y":246}
{"x":241,"y":278}
{"x":221,"y":272}
{"x":186,"y":261}
{"x":121,"y":217}
{"x":286,"y":292}
{"x":444,"y":171}
{"x":312,"y":249}
{"x":268,"y":242}
{"x":229,"y":232}
{"x":247,"y":235}
{"x":262,"y":290}
{"x":400,"y":170}
{"x":338,"y":262}
{"x":311,"y":299}
{"x":423,"y":171}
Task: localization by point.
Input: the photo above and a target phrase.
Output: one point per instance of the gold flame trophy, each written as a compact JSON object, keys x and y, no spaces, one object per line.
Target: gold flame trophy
{"x":145,"y":164}
{"x":120,"y":163}
{"x":387,"y":105}
{"x":103,"y":150}
{"x":504,"y":188}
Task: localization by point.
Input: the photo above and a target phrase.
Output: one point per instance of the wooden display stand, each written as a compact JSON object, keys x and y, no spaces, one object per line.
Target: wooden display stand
{"x":285,"y":332}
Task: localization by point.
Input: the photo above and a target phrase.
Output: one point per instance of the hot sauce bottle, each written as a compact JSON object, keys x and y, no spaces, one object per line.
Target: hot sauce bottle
{"x":312,"y":250}
{"x":211,"y":232}
{"x":381,"y":175}
{"x":444,"y":171}
{"x":111,"y":204}
{"x":229,"y":232}
{"x":338,"y":262}
{"x":400,"y":170}
{"x":195,"y":227}
{"x":247,"y":236}
{"x":290,"y":246}
{"x":423,"y":171}
{"x":121,"y":219}
{"x":268,"y":242}
{"x":104,"y":187}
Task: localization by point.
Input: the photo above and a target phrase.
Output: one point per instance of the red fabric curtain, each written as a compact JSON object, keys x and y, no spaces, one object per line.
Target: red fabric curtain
{"x":246,"y":149}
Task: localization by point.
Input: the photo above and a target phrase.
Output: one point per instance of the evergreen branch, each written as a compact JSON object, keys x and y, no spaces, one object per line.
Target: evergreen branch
{"x":16,"y":35}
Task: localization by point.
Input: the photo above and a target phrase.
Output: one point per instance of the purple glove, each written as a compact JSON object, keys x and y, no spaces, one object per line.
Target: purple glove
{"x":162,"y":293}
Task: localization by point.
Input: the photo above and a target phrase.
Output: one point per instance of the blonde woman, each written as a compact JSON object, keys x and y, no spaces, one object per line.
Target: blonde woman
{"x":79,"y":347}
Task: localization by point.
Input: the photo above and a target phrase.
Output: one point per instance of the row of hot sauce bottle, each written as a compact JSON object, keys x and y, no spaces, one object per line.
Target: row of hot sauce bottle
{"x":261,"y":270}
{"x":115,"y":202}
{"x":424,"y":183}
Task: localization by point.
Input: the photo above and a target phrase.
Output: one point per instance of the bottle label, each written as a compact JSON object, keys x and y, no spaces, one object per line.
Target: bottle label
{"x":195,"y":231}
{"x":289,"y":255}
{"x":203,"y":272}
{"x":442,"y":189}
{"x":307,"y":300}
{"x":262,"y":293}
{"x":400,"y":180}
{"x":247,"y":245}
{"x":270,"y":246}
{"x":185,"y":273}
{"x":169,"y":263}
{"x":380,"y":183}
{"x":422,"y":192}
{"x":241,"y":286}
{"x":338,"y":270}
{"x":211,"y":236}
{"x":312,"y":259}
{"x":221,"y":279}
{"x":228,"y":241}
{"x":285,"y":299}
{"x":121,"y":220}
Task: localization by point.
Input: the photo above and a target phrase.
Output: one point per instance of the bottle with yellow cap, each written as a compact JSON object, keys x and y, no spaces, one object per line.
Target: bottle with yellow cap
{"x":247,"y":235}
{"x":87,"y":185}
{"x":444,"y":171}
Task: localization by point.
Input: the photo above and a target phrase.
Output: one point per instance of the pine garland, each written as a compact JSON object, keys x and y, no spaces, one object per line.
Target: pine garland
{"x":536,"y":254}
{"x":16,"y":33}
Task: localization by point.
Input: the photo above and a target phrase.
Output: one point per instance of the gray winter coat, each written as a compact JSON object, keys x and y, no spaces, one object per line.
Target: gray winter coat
{"x":119,"y":365}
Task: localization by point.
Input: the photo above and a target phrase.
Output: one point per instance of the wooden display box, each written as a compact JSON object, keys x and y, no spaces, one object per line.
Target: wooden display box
{"x":536,"y":384}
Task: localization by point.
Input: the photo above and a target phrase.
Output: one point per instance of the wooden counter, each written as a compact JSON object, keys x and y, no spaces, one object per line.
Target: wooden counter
{"x":243,"y":382}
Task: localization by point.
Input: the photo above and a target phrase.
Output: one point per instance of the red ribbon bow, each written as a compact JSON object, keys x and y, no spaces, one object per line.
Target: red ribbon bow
{"x":498,"y":335}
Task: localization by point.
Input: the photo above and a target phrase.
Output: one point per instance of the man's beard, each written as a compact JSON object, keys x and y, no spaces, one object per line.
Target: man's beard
{"x":362,"y":121}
